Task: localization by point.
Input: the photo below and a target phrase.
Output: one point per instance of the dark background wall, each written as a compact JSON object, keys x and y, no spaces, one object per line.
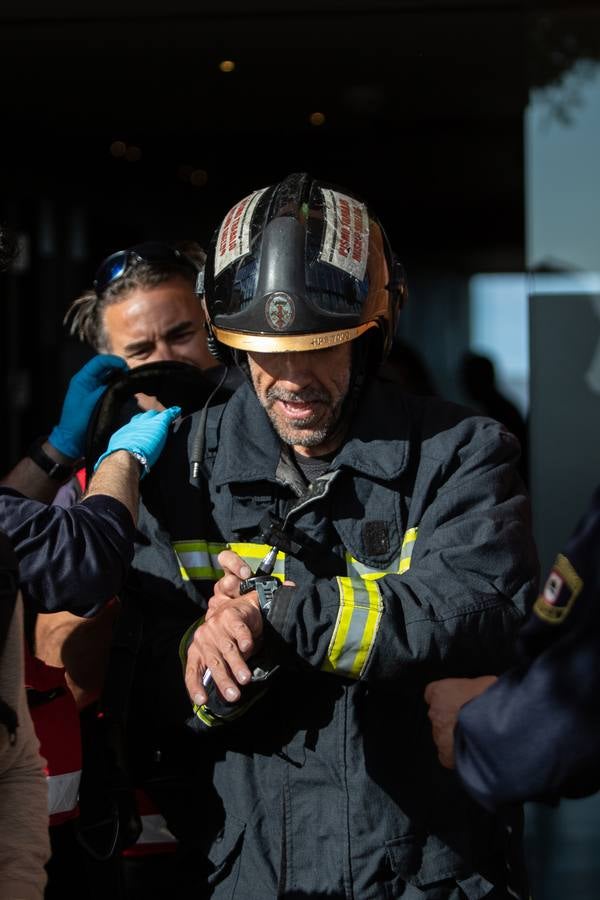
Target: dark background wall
{"x":423,"y":104}
{"x":423,"y":107}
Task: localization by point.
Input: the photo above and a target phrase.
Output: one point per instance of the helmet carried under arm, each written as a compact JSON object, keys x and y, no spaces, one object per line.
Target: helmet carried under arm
{"x":298,"y":266}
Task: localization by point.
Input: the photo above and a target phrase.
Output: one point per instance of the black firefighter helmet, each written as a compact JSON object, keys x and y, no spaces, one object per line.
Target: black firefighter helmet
{"x":300,"y":265}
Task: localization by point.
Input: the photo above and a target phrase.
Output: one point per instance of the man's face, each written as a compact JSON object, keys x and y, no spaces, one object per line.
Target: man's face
{"x":303,"y":394}
{"x":163,"y":323}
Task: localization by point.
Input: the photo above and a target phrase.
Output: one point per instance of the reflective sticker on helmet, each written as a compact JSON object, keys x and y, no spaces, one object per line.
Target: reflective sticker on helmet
{"x":233,"y":240}
{"x":346,"y":233}
{"x":280,"y":311}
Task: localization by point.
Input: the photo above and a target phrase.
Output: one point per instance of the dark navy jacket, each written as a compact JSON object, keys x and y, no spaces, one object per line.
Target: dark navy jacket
{"x":69,"y":559}
{"x":535,"y":734}
{"x":414,"y":561}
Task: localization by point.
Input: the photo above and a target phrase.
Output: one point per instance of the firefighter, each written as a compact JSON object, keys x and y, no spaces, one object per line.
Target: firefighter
{"x":396,"y":533}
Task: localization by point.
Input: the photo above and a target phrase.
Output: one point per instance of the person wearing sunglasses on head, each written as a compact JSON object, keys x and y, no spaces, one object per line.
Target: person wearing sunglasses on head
{"x":142,"y":308}
{"x":59,"y":558}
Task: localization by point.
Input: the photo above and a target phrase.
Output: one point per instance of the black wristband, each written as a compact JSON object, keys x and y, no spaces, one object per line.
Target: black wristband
{"x":54,"y":470}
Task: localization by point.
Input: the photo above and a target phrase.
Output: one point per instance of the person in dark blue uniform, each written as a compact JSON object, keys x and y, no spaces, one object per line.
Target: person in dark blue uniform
{"x":534,"y":733}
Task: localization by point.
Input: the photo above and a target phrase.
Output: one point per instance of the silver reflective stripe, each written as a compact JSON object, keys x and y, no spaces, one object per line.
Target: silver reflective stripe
{"x":198,"y":559}
{"x":357,"y":569}
{"x":400,"y":565}
{"x":63,"y":792}
{"x":356,"y":627}
{"x":407,"y":548}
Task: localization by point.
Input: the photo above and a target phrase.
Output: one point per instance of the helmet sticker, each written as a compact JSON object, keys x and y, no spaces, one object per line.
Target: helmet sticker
{"x":559,"y":593}
{"x":346,"y":234}
{"x":280,"y":311}
{"x":233,"y":240}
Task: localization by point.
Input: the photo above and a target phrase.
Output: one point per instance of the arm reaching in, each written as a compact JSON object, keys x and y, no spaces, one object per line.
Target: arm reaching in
{"x":446,"y":698}
{"x":76,"y":559}
{"x":66,"y":443}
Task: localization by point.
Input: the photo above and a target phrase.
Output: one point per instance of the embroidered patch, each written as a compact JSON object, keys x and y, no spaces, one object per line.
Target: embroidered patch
{"x":376,"y":538}
{"x":559,"y":593}
{"x":280,"y":311}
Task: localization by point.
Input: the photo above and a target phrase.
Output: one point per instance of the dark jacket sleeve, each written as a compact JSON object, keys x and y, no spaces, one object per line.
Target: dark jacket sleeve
{"x":472,"y":574}
{"x":69,"y":559}
{"x":535,"y":734}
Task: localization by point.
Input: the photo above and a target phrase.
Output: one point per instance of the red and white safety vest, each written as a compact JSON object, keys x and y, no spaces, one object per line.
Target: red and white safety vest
{"x":56,"y":722}
{"x":155,"y":836}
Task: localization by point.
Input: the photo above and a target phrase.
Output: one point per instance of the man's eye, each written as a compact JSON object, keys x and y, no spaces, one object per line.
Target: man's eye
{"x":140,"y":354}
{"x":183,"y":337}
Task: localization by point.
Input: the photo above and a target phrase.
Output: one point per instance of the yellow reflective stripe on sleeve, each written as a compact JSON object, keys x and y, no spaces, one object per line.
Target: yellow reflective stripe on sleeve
{"x":356,"y":627}
{"x":254,"y":553}
{"x":407,"y":548}
{"x":198,"y":559}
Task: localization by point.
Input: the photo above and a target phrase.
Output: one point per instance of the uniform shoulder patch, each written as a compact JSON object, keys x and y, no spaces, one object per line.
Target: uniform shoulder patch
{"x":559,"y":593}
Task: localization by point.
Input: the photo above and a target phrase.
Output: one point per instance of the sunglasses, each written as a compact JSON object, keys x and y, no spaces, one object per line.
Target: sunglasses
{"x":115,"y":265}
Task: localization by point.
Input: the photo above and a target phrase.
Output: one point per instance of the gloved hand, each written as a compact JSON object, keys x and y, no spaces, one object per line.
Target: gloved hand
{"x":144,"y":436}
{"x":84,"y":391}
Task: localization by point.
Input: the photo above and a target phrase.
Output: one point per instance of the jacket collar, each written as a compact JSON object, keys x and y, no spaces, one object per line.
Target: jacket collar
{"x":377,"y":443}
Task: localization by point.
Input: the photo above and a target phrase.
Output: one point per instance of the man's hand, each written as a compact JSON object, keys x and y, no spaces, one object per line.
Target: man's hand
{"x":222,"y":644}
{"x":235,"y":570}
{"x":445,"y":699}
{"x":85,"y":389}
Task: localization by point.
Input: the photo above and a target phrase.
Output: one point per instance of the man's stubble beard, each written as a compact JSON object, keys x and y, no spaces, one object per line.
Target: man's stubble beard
{"x":296,"y":433}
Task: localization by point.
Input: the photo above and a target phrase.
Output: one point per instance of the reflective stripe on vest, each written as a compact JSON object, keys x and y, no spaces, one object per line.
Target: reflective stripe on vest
{"x":254,"y":553}
{"x":407,"y":548}
{"x":155,"y":838}
{"x":198,"y":559}
{"x":63,"y":792}
{"x":360,"y":612}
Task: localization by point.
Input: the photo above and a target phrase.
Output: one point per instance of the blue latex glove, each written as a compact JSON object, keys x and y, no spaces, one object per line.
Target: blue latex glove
{"x":84,"y":391}
{"x":144,"y":436}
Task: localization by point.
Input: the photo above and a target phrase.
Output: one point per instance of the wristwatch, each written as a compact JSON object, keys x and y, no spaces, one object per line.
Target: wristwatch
{"x":265,"y":586}
{"x":54,"y":470}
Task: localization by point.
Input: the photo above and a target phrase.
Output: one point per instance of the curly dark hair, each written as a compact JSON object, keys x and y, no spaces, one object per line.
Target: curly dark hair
{"x":8,"y":247}
{"x":85,"y":315}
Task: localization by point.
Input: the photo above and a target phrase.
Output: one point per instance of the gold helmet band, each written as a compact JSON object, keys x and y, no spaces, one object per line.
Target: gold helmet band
{"x":289,"y":343}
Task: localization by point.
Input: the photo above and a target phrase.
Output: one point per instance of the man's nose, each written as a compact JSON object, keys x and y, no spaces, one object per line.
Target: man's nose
{"x":163,"y":352}
{"x":294,"y":369}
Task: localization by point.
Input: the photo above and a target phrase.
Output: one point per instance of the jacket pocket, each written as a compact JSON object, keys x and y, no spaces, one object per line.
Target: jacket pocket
{"x":433,"y":869}
{"x":225,"y":851}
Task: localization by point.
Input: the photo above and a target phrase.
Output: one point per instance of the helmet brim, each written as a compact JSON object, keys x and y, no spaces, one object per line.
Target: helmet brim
{"x":289,"y":343}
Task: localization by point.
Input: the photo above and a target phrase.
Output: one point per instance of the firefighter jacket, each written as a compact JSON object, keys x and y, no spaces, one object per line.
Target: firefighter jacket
{"x":412,"y":559}
{"x":535,"y":734}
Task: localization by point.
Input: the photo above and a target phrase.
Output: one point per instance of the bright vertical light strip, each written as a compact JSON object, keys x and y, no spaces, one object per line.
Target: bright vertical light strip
{"x":562,"y":169}
{"x":499,"y":329}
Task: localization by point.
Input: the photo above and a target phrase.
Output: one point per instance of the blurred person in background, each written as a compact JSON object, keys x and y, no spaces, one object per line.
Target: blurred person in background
{"x":478,"y":377}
